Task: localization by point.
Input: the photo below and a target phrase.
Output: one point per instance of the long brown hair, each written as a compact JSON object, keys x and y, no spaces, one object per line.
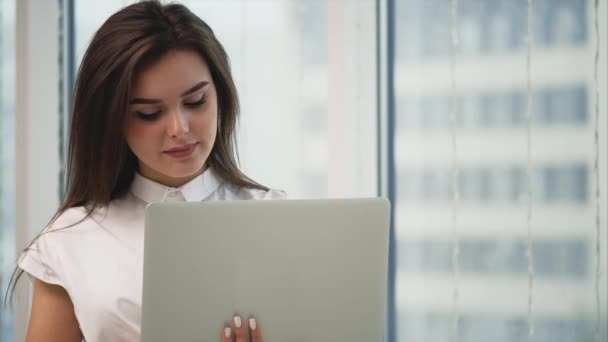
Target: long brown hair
{"x":100,"y":164}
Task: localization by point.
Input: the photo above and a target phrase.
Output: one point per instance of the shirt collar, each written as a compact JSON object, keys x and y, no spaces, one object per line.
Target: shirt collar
{"x":195,"y":190}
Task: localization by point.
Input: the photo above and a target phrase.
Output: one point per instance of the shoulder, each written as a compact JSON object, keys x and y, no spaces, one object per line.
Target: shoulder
{"x":234,"y":192}
{"x":259,"y":194}
{"x":44,"y":257}
{"x":71,"y":217}
{"x":62,"y":230}
{"x":67,"y":230}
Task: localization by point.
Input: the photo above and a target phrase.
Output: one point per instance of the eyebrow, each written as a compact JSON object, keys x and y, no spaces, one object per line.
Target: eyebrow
{"x":154,"y":101}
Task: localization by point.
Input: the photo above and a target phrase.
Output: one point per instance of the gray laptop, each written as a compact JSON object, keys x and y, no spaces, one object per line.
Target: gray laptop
{"x":309,"y":270}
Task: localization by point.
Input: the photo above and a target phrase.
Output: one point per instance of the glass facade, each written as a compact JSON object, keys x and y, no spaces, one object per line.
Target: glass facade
{"x":490,"y":142}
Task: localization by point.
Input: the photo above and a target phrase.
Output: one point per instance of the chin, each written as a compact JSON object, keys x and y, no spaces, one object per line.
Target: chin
{"x":185,"y":172}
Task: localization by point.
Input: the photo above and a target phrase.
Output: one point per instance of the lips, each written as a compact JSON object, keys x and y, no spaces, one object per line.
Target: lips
{"x":180,"y":148}
{"x":181,"y":151}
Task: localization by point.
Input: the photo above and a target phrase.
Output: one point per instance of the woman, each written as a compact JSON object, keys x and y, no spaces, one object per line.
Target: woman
{"x":153,"y":120}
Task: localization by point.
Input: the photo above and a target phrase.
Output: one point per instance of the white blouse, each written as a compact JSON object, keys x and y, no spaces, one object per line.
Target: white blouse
{"x":99,"y":261}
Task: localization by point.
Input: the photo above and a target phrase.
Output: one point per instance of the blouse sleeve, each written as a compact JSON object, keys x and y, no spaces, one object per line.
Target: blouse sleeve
{"x":37,"y":260}
{"x":41,"y":259}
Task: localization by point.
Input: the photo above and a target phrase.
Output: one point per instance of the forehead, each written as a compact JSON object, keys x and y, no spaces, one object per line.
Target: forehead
{"x":173,"y":73}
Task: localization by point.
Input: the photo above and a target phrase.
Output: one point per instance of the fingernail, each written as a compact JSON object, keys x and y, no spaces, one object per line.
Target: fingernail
{"x":237,"y":321}
{"x":252,"y":324}
{"x":227,"y":331}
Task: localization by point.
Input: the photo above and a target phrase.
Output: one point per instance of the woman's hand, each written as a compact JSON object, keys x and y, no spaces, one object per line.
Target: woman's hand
{"x":241,"y":331}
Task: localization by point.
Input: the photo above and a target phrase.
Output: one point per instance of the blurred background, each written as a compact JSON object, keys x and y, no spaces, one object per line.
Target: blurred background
{"x":353,"y":98}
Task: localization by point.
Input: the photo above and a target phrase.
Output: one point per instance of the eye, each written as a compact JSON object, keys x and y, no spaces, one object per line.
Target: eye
{"x":198,"y":103}
{"x":148,"y":116}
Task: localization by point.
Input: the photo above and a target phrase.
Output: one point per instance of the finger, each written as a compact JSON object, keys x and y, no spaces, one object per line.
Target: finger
{"x":240,"y":332}
{"x":254,"y":330}
{"x":227,"y":332}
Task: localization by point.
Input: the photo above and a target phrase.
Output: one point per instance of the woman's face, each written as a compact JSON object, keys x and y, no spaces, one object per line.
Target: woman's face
{"x":172,"y":118}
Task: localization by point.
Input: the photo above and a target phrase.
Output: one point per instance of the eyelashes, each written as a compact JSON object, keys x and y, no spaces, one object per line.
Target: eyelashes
{"x":156,"y":115}
{"x":198,"y":103}
{"x":148,"y":116}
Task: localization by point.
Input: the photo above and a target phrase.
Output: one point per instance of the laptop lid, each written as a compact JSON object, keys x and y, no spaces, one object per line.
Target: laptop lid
{"x":309,"y":270}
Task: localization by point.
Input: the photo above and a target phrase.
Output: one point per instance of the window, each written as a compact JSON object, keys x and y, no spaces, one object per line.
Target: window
{"x":555,"y":258}
{"x":418,"y":326}
{"x":306,"y":72}
{"x":564,"y":105}
{"x":491,"y":141}
{"x":565,"y":184}
{"x":487,"y":27}
{"x":7,"y":171}
{"x":487,"y":184}
{"x":284,"y":69}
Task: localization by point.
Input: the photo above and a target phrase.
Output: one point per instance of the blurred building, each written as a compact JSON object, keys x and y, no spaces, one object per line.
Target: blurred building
{"x":491,"y":227}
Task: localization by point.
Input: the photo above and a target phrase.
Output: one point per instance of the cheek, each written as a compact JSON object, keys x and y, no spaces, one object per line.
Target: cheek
{"x":139,"y":136}
{"x":204,"y":126}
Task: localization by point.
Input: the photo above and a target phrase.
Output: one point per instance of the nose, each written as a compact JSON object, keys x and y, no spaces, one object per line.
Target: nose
{"x":178,"y":124}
